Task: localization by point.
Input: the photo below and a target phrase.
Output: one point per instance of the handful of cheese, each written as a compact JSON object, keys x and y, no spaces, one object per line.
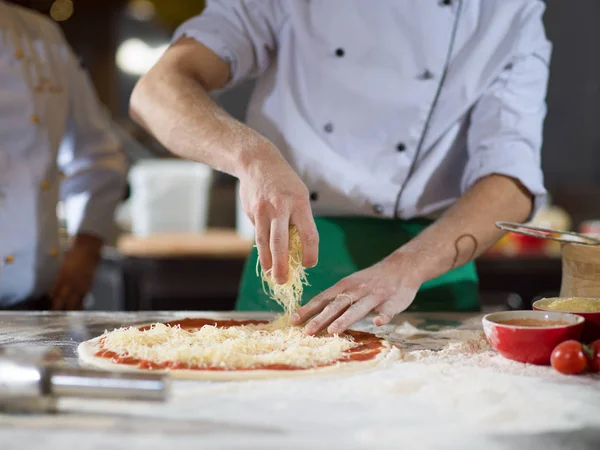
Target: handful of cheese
{"x":288,"y":295}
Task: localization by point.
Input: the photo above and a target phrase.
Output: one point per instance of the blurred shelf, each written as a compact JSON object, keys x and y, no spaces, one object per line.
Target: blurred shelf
{"x":211,"y":244}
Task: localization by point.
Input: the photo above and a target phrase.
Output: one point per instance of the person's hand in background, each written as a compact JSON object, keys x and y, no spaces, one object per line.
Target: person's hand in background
{"x":76,"y":274}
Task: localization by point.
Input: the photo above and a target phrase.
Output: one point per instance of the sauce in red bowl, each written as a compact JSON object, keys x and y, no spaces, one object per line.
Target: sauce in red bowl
{"x":530,"y":336}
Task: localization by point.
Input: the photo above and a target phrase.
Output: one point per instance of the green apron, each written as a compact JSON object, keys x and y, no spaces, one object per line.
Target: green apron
{"x":350,"y":244}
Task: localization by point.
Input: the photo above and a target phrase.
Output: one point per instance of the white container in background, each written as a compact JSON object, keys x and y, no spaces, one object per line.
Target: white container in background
{"x":243,"y":224}
{"x":169,"y":195}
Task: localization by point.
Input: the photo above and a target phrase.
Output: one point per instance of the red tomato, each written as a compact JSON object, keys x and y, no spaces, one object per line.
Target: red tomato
{"x":568,"y":358}
{"x":593,"y":355}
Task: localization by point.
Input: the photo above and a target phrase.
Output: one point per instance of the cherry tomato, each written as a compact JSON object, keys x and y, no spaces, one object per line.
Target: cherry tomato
{"x":593,"y":355}
{"x":568,"y":358}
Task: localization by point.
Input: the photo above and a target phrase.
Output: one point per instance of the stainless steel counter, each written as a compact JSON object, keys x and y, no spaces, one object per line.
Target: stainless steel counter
{"x":410,"y":405}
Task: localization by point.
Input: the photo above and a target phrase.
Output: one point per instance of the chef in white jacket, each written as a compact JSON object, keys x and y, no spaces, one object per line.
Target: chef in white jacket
{"x":55,"y":142}
{"x":407,"y":127}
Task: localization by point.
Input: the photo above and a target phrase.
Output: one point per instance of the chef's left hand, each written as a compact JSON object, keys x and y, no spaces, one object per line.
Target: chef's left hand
{"x":388,"y":288}
{"x":76,"y":274}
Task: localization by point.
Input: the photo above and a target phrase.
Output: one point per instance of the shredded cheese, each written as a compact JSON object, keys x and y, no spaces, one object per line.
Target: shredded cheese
{"x":287,"y":295}
{"x":237,"y":347}
{"x":243,"y":346}
{"x":576,"y":304}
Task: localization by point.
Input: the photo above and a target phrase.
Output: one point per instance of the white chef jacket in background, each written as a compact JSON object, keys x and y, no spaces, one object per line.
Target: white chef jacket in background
{"x":52,"y":128}
{"x":346,"y":91}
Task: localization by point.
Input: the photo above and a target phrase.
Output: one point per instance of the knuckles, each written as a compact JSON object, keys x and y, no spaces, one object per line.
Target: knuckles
{"x":278,"y":245}
{"x":261,"y":207}
{"x":383,"y":292}
{"x":262,"y":240}
{"x":311,"y":238}
{"x":281,"y":202}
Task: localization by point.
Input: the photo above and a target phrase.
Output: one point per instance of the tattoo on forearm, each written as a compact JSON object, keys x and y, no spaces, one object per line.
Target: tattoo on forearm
{"x":462,"y":244}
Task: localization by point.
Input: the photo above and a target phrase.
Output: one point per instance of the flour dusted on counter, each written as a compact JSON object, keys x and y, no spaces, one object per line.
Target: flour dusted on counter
{"x":456,"y":351}
{"x":469,"y":407}
{"x":459,"y":347}
{"x":456,"y":344}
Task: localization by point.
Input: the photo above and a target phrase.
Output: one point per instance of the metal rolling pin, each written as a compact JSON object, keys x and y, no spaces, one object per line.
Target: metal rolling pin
{"x":32,"y":379}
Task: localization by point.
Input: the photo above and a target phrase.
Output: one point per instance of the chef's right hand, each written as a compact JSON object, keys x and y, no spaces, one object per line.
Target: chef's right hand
{"x":274,"y":198}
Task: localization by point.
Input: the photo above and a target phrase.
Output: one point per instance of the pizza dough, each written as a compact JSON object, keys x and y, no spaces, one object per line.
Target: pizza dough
{"x":88,"y":354}
{"x":239,"y":350}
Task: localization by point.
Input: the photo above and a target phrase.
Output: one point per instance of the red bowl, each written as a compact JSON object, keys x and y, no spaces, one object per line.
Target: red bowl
{"x":533,"y":345}
{"x":591,"y":329}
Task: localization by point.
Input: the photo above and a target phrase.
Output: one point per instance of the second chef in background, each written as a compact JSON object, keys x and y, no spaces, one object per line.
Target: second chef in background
{"x":55,"y":142}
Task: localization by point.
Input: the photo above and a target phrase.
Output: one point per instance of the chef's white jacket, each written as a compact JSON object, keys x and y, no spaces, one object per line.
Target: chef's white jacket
{"x":55,"y":141}
{"x":355,"y":92}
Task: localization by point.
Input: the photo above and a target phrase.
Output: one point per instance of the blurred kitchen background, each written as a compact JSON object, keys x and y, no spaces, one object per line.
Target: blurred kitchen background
{"x":119,"y":40}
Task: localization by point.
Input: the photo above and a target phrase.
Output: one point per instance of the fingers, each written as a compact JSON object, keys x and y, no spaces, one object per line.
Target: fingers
{"x":271,"y":206}
{"x":272,"y":241}
{"x":65,"y":296}
{"x":263,"y":239}
{"x":354,"y":313}
{"x":317,"y":304}
{"x":309,"y":236}
{"x":395,"y":305}
{"x":54,"y":293}
{"x":60,"y":297}
{"x":280,"y":248}
{"x":67,"y":299}
{"x":331,"y":312}
{"x":346,"y":303}
{"x":74,"y":302}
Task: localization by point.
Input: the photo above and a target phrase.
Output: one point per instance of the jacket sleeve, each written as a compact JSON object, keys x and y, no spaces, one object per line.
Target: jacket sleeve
{"x":241,"y":32}
{"x":505,"y":135}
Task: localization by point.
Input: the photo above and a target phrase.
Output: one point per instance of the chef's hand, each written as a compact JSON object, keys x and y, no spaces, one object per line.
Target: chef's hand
{"x":76,"y":274}
{"x":274,"y":197}
{"x":388,"y":288}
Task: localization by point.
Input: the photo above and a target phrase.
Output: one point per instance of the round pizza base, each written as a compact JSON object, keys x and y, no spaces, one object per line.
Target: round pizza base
{"x":88,"y":349}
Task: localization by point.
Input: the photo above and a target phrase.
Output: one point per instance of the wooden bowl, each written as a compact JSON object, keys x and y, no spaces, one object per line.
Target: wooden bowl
{"x":580,"y":271}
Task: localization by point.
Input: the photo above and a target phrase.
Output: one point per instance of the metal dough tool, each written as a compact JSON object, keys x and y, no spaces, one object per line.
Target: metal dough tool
{"x":548,"y":234}
{"x":33,"y":379}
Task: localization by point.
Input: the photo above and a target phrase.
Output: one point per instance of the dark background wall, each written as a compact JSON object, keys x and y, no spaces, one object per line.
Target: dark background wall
{"x":571,"y":154}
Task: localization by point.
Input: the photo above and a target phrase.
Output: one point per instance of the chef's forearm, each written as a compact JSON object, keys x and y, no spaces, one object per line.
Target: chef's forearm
{"x":172,"y":102}
{"x":468,"y":228}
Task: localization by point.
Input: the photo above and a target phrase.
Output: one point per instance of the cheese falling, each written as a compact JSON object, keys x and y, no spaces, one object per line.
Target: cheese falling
{"x":287,"y":295}
{"x":238,"y":347}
